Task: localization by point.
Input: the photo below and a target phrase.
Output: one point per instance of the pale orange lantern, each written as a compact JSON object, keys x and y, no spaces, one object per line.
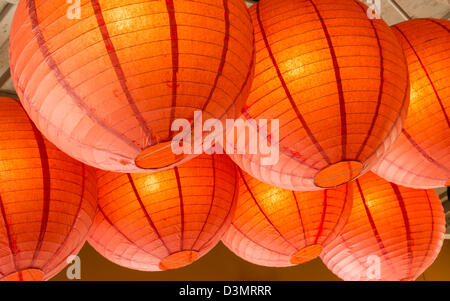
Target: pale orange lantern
{"x":277,"y":227}
{"x":47,"y":200}
{"x":106,"y":81}
{"x":164,"y":220}
{"x":336,"y":80}
{"x":394,"y":233}
{"x":421,"y":156}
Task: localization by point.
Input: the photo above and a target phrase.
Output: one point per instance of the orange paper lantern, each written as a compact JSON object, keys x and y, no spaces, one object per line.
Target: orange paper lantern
{"x":276,"y":227}
{"x":421,"y":156}
{"x":337,"y":82}
{"x":165,"y":220}
{"x":394,"y":233}
{"x":105,"y":81}
{"x":47,"y":200}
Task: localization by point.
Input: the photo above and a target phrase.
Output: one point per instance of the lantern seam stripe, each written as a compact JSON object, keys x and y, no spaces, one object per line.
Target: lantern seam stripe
{"x":300,"y":216}
{"x":175,"y":59}
{"x":422,"y":151}
{"x":286,"y":89}
{"x":381,"y":88}
{"x":337,"y":73}
{"x":45,"y":165}
{"x":372,"y":223}
{"x":422,"y":265}
{"x":144,"y":210}
{"x":340,"y":215}
{"x":76,"y":217}
{"x":263,"y":213}
{"x":180,"y":194}
{"x":322,"y":219}
{"x":409,"y":239}
{"x":426,"y":73}
{"x":118,"y":69}
{"x":224,"y":53}
{"x":106,"y":218}
{"x":60,"y":78}
{"x":211,"y":203}
{"x":11,"y":241}
{"x":232,"y":205}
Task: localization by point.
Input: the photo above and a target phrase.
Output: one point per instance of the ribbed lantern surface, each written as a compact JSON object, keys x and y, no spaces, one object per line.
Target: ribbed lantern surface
{"x":394,"y":233}
{"x":165,"y":220}
{"x":421,"y":156}
{"x":337,"y":82}
{"x":276,"y":227}
{"x":47,"y":200}
{"x":106,"y":85}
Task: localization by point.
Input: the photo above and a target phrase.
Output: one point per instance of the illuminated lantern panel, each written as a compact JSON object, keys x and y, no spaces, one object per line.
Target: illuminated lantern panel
{"x":165,"y":220}
{"x":47,"y":200}
{"x":337,"y":82}
{"x":421,"y":156}
{"x":107,"y":87}
{"x":277,"y":228}
{"x":394,"y":233}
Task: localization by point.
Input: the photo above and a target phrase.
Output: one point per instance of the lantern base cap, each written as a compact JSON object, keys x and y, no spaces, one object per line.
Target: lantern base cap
{"x":178,"y":260}
{"x":338,"y":174}
{"x":306,"y":254}
{"x":158,"y":156}
{"x":25,"y":275}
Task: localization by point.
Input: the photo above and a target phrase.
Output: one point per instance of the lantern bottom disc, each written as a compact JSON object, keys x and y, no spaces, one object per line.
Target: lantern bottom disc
{"x":25,"y":275}
{"x":178,"y":260}
{"x":158,"y":156}
{"x":306,"y":254}
{"x":338,"y":174}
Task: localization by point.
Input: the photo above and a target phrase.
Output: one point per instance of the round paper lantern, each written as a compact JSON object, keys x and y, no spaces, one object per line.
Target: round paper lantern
{"x":277,"y":228}
{"x":165,"y":220}
{"x":47,"y":200}
{"x":421,"y":156}
{"x":106,"y":81}
{"x":337,"y":82}
{"x":394,"y":233}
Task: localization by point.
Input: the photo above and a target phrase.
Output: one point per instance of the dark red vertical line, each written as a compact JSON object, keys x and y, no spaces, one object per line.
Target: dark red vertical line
{"x":426,"y":73}
{"x":324,"y":213}
{"x":144,"y":210}
{"x":46,"y":187}
{"x":20,"y":276}
{"x":409,"y":239}
{"x":372,"y":222}
{"x":213,"y":196}
{"x":381,"y":88}
{"x":11,"y":241}
{"x":430,"y":206}
{"x":423,"y":152}
{"x":262,"y":211}
{"x":300,"y":216}
{"x":180,"y":193}
{"x":76,"y":216}
{"x":175,"y":59}
{"x":48,"y":58}
{"x":224,"y":52}
{"x":119,"y":71}
{"x":338,"y":82}
{"x":286,"y":89}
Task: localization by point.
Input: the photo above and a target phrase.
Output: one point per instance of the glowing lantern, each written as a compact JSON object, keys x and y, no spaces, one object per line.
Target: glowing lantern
{"x":421,"y":156}
{"x":394,"y":233}
{"x":276,"y":227}
{"x":165,"y":220}
{"x":106,"y":80}
{"x":337,"y":82}
{"x":47,"y":200}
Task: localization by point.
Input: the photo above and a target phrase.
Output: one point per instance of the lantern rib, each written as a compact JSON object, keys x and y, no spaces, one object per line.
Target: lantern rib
{"x":322,"y":219}
{"x":422,"y":265}
{"x":338,"y":82}
{"x":144,"y":210}
{"x":286,"y":89}
{"x":300,"y":216}
{"x":60,"y":78}
{"x":46,"y":187}
{"x":11,"y":242}
{"x":119,"y":71}
{"x":180,"y":194}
